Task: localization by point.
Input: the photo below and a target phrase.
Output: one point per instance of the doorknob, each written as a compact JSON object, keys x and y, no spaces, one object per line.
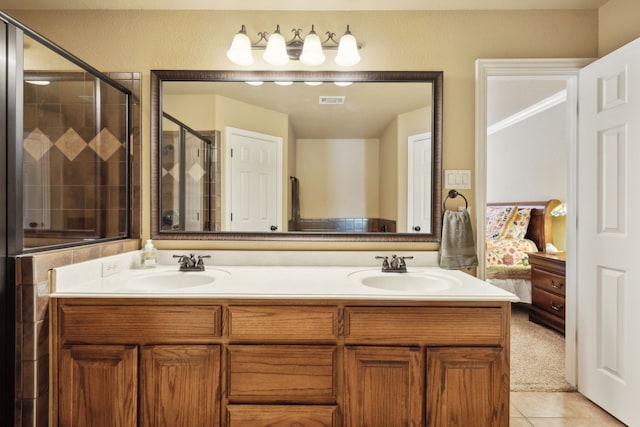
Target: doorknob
{"x":416,"y":228}
{"x":273,"y":227}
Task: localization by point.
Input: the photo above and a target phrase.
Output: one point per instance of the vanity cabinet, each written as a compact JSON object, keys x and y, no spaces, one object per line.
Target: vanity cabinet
{"x":239,"y":363}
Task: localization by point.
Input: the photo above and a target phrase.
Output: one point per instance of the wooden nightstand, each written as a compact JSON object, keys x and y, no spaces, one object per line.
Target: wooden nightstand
{"x":548,"y":289}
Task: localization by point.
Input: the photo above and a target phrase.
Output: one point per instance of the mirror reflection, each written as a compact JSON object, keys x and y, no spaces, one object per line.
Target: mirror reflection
{"x":290,"y":157}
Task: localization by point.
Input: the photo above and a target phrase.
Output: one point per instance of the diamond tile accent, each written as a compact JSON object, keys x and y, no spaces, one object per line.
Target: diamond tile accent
{"x":70,"y":144}
{"x":175,"y":172}
{"x":37,"y":144}
{"x":196,"y":172}
{"x":105,"y":144}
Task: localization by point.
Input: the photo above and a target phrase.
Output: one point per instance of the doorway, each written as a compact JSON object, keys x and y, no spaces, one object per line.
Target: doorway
{"x":545,"y":69}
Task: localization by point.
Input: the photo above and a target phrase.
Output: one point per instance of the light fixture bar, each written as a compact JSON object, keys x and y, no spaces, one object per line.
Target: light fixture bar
{"x":307,"y":50}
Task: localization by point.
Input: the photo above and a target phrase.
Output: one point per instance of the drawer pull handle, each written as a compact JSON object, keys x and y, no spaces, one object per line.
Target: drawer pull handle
{"x":556,"y":285}
{"x":557,"y":307}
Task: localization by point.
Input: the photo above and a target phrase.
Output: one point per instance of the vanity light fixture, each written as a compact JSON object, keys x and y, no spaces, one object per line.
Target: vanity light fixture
{"x":308,"y":51}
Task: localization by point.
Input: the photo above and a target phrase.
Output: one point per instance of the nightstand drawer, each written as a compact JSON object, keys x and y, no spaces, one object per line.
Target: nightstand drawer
{"x":549,"y":302}
{"x":548,"y":281}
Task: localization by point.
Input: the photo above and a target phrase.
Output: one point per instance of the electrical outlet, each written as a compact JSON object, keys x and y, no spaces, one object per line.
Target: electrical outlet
{"x":110,"y":268}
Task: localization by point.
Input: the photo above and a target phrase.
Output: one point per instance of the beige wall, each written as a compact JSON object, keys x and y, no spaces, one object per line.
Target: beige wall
{"x":346,"y":189}
{"x":388,"y":172}
{"x":440,"y":40}
{"x":195,"y":111}
{"x":618,"y":22}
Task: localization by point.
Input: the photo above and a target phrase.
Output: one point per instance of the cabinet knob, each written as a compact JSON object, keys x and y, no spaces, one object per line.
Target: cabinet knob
{"x":556,"y":285}
{"x":416,"y":228}
{"x":556,"y":307}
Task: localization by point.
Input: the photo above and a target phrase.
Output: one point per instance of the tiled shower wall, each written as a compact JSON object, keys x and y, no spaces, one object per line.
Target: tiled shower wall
{"x":32,"y":287}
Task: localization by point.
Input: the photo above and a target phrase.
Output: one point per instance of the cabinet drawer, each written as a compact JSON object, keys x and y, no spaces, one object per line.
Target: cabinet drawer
{"x":282,"y":323}
{"x":281,"y":416}
{"x":548,"y":302}
{"x":287,"y":373}
{"x":123,"y":324}
{"x":548,"y":281}
{"x":432,"y":325}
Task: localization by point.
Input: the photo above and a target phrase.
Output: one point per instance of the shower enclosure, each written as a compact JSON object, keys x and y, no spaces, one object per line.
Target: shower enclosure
{"x":65,"y":154}
{"x":190,"y":198}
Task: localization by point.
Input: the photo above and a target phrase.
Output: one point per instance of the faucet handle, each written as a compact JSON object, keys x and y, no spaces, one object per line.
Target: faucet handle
{"x":200,"y":263}
{"x":385,"y":262}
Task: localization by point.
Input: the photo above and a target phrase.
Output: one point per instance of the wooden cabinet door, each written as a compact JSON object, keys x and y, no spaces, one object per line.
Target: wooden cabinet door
{"x":180,"y":386}
{"x":98,"y":386}
{"x":282,"y":416}
{"x":385,"y":386}
{"x":465,"y":387}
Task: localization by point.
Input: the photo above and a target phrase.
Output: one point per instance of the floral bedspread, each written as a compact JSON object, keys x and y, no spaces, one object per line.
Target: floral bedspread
{"x":508,"y":259}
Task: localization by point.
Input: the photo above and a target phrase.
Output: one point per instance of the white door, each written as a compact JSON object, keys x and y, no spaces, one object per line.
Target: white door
{"x":608,"y":271}
{"x":254,"y":181}
{"x":419,"y":183}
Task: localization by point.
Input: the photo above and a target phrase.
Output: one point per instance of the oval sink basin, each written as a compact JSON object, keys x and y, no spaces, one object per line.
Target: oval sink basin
{"x":420,"y":281}
{"x":168,"y":280}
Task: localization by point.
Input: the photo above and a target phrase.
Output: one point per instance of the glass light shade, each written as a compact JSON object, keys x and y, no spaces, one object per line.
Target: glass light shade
{"x":343,"y":84}
{"x":313,"y":83}
{"x":312,"y":50}
{"x":240,"y":50}
{"x":280,"y":83}
{"x":276,"y":51}
{"x":255,"y":83}
{"x":347,"y":51}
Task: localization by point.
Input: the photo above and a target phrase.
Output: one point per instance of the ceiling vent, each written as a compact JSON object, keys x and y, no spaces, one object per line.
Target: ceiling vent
{"x":331,"y":100}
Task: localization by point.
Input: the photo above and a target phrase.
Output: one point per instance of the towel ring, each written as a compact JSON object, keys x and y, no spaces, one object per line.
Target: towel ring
{"x":452,"y":195}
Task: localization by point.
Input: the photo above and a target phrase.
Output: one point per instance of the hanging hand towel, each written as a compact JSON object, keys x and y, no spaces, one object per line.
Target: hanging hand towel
{"x":457,"y":247}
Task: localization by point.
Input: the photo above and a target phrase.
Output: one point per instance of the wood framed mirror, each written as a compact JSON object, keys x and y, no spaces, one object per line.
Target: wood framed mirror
{"x":384,"y":126}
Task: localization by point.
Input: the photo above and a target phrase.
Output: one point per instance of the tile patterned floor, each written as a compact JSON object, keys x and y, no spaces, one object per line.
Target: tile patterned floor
{"x":559,"y":409}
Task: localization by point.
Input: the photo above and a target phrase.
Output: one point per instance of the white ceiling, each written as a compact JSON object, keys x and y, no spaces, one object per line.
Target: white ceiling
{"x":304,"y":5}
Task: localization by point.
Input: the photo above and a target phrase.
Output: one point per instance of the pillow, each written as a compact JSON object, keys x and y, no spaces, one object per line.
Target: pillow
{"x":517,"y":227}
{"x":497,"y":218}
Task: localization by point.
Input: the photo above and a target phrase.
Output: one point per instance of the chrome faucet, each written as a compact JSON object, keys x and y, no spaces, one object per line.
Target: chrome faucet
{"x":396,"y":265}
{"x":190,"y":263}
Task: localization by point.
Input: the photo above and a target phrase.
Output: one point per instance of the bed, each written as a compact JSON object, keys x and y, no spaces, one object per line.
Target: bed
{"x":515,"y":229}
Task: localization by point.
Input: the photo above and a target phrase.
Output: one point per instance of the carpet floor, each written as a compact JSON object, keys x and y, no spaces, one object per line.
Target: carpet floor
{"x":537,"y":355}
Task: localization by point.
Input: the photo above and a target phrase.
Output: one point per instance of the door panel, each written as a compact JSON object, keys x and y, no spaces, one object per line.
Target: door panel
{"x":98,"y":386}
{"x":419,"y":184}
{"x":608,"y":274}
{"x":254,"y":181}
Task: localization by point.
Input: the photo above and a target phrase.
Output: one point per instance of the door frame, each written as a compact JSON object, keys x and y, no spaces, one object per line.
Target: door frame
{"x":568,"y":70}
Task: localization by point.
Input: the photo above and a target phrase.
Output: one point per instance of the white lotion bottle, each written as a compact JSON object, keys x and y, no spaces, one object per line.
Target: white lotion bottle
{"x":149,"y":257}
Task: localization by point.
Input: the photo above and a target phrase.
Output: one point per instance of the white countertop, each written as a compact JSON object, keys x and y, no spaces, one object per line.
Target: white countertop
{"x":118,"y":277}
